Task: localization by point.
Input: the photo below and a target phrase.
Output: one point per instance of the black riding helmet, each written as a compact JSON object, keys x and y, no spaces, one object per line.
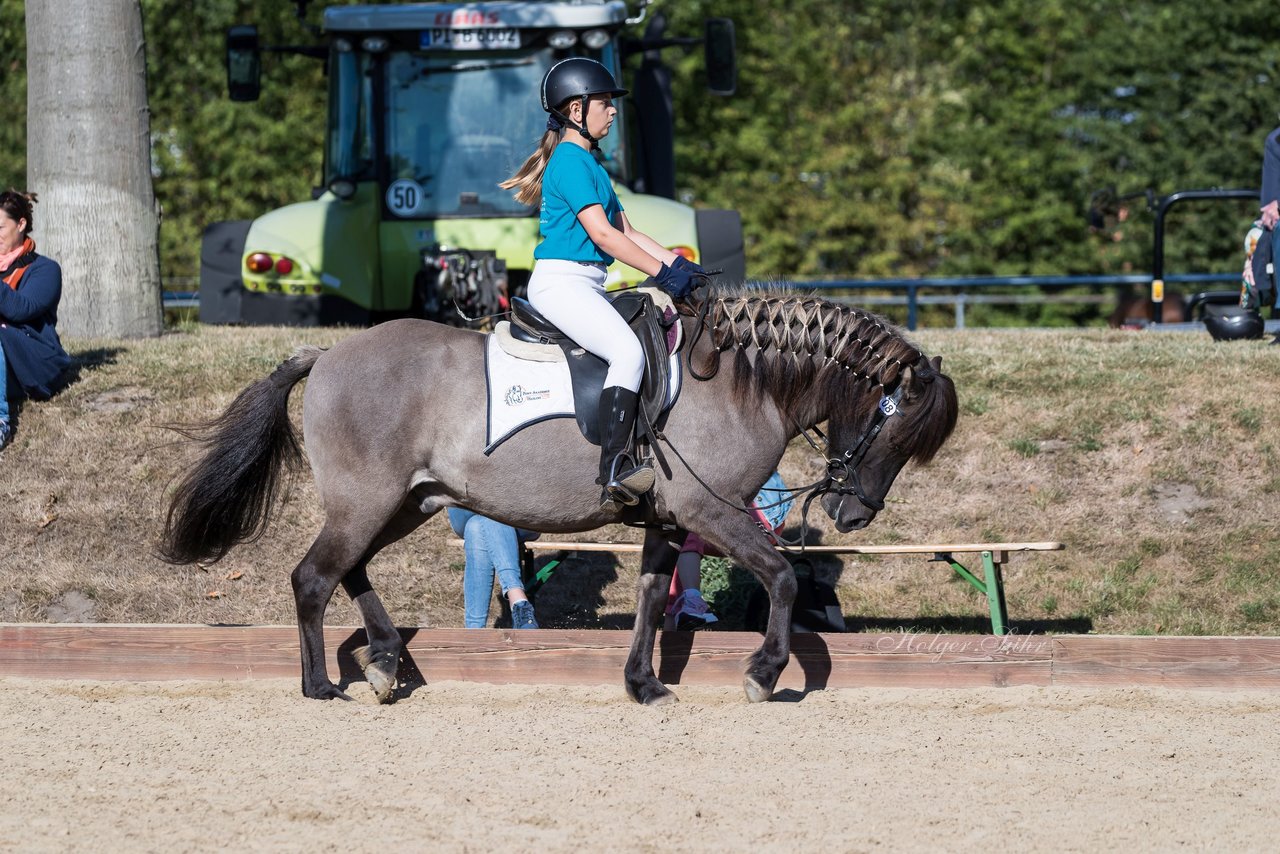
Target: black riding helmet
{"x":577,"y":77}
{"x":1232,"y":322}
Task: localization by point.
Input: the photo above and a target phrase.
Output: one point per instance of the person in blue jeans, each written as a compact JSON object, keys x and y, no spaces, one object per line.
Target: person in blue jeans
{"x":492,"y":548}
{"x":31,"y":356}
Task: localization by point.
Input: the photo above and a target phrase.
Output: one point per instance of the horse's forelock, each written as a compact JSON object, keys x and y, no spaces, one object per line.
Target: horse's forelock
{"x":930,"y":423}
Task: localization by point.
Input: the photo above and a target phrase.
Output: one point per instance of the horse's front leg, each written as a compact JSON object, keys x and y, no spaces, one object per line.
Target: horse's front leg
{"x":656,"y":566}
{"x":381,"y":658}
{"x":739,"y":538}
{"x":766,"y":663}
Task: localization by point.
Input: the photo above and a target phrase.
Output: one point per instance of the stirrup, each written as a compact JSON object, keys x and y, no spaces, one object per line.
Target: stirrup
{"x":619,"y":493}
{"x":608,"y":503}
{"x":628,"y":486}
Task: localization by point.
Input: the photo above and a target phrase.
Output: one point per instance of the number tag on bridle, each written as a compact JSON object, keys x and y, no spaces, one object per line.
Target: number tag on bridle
{"x":888,"y":405}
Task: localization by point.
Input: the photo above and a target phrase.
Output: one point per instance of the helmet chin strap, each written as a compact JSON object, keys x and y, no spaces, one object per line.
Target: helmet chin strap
{"x":581,"y":129}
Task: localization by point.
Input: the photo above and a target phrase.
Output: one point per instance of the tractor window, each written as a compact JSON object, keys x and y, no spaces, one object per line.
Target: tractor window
{"x":459,"y":123}
{"x":612,"y":147}
{"x":350,"y":147}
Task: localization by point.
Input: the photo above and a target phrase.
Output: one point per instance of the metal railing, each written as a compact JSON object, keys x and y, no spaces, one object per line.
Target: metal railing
{"x":956,"y":291}
{"x":1157,"y":253}
{"x":961,"y":298}
{"x":180,"y":299}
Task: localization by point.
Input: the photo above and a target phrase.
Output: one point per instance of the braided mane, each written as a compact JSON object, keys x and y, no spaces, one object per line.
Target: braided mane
{"x":788,"y":348}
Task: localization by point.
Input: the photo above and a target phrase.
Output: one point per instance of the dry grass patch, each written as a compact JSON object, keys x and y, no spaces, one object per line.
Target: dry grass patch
{"x":1149,"y":455}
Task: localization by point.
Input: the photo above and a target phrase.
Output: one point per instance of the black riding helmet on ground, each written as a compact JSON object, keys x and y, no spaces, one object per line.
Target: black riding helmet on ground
{"x":577,"y":77}
{"x":1233,"y":322}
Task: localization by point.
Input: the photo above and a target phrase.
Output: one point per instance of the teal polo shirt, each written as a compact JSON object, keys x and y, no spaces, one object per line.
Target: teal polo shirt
{"x":572,"y":182}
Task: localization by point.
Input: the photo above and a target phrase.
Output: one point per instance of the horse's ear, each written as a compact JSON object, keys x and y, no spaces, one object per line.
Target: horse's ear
{"x":936,"y":363}
{"x":910,"y":382}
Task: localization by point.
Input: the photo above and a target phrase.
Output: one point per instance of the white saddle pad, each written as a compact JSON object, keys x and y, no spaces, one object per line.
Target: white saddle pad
{"x":525,"y":391}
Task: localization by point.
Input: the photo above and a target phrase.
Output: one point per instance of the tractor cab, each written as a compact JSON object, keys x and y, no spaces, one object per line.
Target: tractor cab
{"x":431,"y":106}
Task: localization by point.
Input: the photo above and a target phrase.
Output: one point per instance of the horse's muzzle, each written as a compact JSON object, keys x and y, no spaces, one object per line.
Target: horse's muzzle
{"x":849,"y":513}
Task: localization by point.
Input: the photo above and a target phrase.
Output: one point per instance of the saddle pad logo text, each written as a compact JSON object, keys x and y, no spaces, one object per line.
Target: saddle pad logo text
{"x":518,"y":394}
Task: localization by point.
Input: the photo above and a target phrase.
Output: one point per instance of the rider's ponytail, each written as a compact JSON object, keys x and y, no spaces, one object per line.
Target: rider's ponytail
{"x":527,"y":182}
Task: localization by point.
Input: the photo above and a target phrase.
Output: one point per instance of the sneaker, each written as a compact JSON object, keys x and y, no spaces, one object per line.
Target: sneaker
{"x":692,"y":612}
{"x":522,"y":615}
{"x":6,"y":433}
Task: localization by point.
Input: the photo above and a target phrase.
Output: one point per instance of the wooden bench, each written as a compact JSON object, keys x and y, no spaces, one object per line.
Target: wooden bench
{"x":993,"y":555}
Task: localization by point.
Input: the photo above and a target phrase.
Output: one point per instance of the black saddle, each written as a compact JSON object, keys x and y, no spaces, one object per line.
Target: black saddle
{"x":587,"y":371}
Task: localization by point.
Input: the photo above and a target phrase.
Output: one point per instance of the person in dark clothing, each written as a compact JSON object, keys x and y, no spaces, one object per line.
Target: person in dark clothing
{"x":1257,"y":263}
{"x":31,"y":356}
{"x":1269,"y":197}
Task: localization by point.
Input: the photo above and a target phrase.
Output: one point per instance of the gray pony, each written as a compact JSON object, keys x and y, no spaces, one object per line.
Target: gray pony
{"x":394,"y":426}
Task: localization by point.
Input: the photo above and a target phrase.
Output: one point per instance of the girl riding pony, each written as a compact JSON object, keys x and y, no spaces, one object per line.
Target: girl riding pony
{"x":584,"y":228}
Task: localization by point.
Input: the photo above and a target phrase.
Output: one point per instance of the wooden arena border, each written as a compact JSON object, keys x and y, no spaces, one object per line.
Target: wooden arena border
{"x":156,"y":652}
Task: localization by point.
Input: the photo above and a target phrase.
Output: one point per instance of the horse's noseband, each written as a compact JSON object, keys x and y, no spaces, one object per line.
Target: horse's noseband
{"x":842,"y":472}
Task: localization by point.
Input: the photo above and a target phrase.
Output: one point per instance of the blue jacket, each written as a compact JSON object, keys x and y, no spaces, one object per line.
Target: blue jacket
{"x":27,"y":319}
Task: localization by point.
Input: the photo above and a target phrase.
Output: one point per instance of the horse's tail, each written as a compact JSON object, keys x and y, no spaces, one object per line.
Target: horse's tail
{"x":227,"y":498}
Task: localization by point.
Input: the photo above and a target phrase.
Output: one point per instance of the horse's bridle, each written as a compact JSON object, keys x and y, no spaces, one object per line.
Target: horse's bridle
{"x":842,"y":471}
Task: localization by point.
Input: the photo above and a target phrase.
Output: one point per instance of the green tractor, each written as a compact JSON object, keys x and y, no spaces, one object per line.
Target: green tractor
{"x":431,"y":105}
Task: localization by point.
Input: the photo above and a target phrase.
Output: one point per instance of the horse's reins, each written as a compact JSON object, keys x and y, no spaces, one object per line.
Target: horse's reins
{"x":841,"y":475}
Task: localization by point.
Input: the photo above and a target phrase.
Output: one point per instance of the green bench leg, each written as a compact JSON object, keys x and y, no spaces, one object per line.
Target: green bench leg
{"x":993,"y":586}
{"x":995,"y":593}
{"x":533,"y":576}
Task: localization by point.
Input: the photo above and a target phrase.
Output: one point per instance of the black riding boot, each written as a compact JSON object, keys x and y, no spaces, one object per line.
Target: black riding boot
{"x":623,"y":480}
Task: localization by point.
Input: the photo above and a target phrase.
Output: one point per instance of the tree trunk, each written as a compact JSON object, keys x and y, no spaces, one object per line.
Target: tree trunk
{"x":89,"y":159}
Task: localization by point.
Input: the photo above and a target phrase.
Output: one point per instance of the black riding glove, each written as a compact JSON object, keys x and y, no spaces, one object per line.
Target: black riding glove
{"x":679,"y":283}
{"x":683,"y":263}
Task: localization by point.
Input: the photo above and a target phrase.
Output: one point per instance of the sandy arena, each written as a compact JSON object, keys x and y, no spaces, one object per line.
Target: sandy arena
{"x":252,"y":766}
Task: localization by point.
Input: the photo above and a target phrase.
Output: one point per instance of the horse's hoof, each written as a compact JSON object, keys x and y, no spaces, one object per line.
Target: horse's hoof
{"x":756,"y":693}
{"x":326,"y":691}
{"x":380,"y":671}
{"x":381,"y":684}
{"x":667,"y":699}
{"x":651,"y":692}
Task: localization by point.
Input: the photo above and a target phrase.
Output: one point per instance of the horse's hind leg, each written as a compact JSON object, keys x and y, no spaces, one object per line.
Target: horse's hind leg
{"x":381,"y":658}
{"x":657,"y":565}
{"x":329,"y":559}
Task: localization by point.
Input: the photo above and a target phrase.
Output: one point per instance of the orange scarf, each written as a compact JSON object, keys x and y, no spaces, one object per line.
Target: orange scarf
{"x":15,"y":263}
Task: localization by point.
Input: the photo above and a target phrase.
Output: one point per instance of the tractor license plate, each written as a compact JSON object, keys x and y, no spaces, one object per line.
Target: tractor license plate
{"x":442,"y":38}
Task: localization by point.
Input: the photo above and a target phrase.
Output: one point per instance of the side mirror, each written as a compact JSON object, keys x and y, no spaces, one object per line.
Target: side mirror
{"x":722,"y":58}
{"x":244,"y":63}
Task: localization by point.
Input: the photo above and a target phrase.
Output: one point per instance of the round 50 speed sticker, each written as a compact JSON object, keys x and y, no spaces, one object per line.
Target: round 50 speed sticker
{"x":404,"y":197}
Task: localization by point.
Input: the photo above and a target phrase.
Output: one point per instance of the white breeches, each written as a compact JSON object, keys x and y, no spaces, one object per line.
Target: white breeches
{"x":571,"y":295}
